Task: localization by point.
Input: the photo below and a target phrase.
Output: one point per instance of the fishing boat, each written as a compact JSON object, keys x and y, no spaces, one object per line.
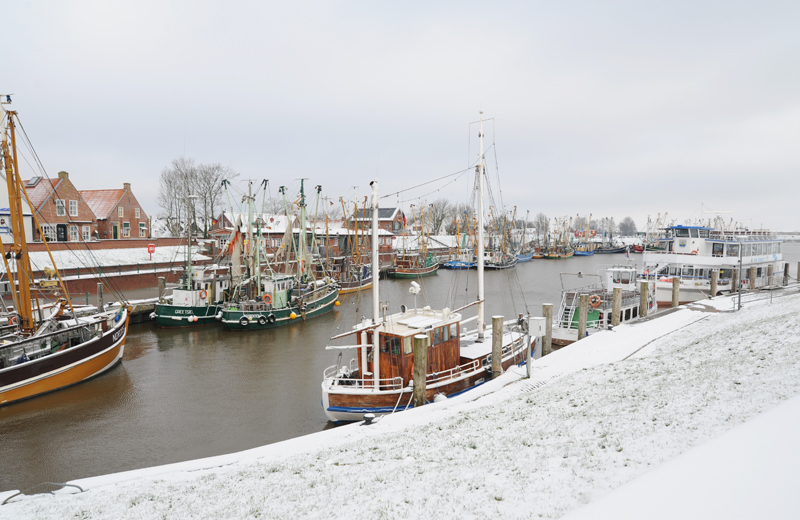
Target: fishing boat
{"x":379,"y":379}
{"x":45,"y":347}
{"x":263,"y":297}
{"x":583,"y":247}
{"x":352,"y":276}
{"x":198,"y":297}
{"x":692,"y":253}
{"x":418,"y":263}
{"x":462,"y":256}
{"x":599,"y":289}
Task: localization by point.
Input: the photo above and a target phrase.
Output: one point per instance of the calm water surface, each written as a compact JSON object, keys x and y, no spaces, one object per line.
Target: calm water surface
{"x":184,"y":394}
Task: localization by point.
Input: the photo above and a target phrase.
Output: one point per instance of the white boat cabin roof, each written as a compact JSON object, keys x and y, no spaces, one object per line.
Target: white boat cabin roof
{"x":415,"y":321}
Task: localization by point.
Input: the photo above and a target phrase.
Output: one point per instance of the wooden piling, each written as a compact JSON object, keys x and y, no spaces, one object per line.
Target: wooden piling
{"x":616,"y":306}
{"x":735,"y":282}
{"x":797,"y":278}
{"x":99,"y":296}
{"x":420,"y":368}
{"x":162,"y":285}
{"x":497,"y":346}
{"x":770,"y":272}
{"x":752,"y":278}
{"x":676,"y":291}
{"x":547,"y":343}
{"x":583,"y":314}
{"x":714,"y":283}
{"x":786,"y":273}
{"x":643,"y":300}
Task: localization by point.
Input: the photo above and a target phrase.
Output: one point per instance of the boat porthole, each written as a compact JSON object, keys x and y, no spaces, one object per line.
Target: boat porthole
{"x":244,"y":321}
{"x":262,"y":320}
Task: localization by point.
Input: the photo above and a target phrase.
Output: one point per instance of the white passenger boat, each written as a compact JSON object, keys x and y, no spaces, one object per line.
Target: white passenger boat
{"x":692,"y":253}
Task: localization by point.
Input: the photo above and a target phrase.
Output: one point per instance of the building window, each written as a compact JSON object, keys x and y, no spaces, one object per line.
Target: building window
{"x":137,"y":212}
{"x":120,"y":211}
{"x":142,"y":230}
{"x":73,"y":233}
{"x":87,"y":232}
{"x":49,"y":232}
{"x":126,"y":229}
{"x":60,"y":209}
{"x":73,"y":208}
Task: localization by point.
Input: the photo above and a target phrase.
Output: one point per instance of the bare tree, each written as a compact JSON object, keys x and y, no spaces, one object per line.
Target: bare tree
{"x":460,"y":218}
{"x":173,"y":191}
{"x":627,"y":227}
{"x":542,"y":224}
{"x":207,"y":185}
{"x":436,"y":214}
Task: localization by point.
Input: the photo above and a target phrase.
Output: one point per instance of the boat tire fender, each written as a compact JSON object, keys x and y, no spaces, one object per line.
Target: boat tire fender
{"x":243,"y":321}
{"x":595,"y":301}
{"x":271,"y":318}
{"x":262,"y":320}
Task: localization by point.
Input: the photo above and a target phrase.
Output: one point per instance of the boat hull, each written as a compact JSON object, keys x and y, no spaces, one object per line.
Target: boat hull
{"x":234,"y":319}
{"x":458,"y":264}
{"x":583,"y":253}
{"x":351,"y":287}
{"x":172,"y":316}
{"x":65,"y":368}
{"x":413,"y":272}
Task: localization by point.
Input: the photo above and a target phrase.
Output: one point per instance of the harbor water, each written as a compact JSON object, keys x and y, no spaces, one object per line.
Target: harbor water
{"x":181,"y":394}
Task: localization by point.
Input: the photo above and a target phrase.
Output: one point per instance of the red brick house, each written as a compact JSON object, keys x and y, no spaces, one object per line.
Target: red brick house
{"x":117,"y":213}
{"x":61,"y":210}
{"x":392,"y":220}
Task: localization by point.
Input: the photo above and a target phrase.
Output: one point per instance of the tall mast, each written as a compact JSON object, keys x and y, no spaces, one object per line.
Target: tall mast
{"x":480,"y":169}
{"x":302,"y":235}
{"x":19,"y":247}
{"x":375,"y":277}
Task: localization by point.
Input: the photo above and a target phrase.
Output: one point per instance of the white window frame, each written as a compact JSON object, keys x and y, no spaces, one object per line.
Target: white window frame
{"x":61,"y":210}
{"x":126,"y":230}
{"x":137,"y":212}
{"x":73,"y":208}
{"x":73,"y":233}
{"x":121,"y":212}
{"x":87,"y":233}
{"x":142,"y":231}
{"x":49,"y":232}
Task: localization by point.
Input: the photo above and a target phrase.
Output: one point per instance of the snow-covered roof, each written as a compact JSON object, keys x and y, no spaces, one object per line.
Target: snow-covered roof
{"x":102,"y":202}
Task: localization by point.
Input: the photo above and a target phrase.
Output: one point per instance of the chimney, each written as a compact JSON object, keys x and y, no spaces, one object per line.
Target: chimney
{"x":127,"y":186}
{"x":63,"y":175}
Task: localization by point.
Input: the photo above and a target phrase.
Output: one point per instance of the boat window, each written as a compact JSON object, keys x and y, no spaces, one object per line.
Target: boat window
{"x":625,"y":277}
{"x":693,"y":233}
{"x":445,"y":334}
{"x":688,"y":271}
{"x":408,"y":348}
{"x":704,"y":233}
{"x":700,"y":272}
{"x":733,"y":249}
{"x":437,"y":336}
{"x":716,"y":249}
{"x":454,"y":330}
{"x":725,"y":274}
{"x":758,"y":272}
{"x":747,"y":250}
{"x":673,"y":271}
{"x":778,"y":247}
{"x":681,"y":232}
{"x":615,"y":276}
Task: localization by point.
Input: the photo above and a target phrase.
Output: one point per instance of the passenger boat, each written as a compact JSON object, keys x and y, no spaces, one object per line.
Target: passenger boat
{"x":262,"y":297}
{"x":379,"y":379}
{"x":42,"y":351}
{"x":692,"y":253}
{"x":600,"y":290}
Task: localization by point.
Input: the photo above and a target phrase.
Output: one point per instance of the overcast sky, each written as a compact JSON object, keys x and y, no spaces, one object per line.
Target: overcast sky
{"x":610,"y":108}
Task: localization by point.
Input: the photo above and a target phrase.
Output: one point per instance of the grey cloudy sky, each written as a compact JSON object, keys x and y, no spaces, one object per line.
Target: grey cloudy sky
{"x":609,"y":108}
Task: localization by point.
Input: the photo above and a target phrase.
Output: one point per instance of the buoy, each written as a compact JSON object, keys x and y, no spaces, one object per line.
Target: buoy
{"x":293,"y":315}
{"x":337,"y":303}
{"x":203,"y":294}
{"x":594,"y":301}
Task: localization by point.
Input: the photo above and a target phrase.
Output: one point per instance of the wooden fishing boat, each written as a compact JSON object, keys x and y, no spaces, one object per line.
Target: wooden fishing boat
{"x":413,"y":266}
{"x":379,"y":379}
{"x":40,"y":352}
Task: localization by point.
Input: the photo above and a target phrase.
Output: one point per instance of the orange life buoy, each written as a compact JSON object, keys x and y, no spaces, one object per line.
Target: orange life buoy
{"x":267,"y":298}
{"x":594,"y":301}
{"x":203,"y":294}
{"x":12,"y":320}
{"x":694,"y":252}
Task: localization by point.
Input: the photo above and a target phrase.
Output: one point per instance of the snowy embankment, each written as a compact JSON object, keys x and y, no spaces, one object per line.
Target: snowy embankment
{"x":90,"y":258}
{"x":594,"y":416}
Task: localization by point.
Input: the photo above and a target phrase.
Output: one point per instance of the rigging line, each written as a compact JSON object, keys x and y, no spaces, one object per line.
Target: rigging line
{"x":428,"y":182}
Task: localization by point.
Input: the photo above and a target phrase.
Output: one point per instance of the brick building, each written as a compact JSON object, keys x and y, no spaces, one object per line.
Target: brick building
{"x":117,"y":213}
{"x":61,"y":210}
{"x":392,"y":220}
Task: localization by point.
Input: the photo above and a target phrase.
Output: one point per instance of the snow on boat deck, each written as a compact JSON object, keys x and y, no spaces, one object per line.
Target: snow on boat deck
{"x":594,"y":416}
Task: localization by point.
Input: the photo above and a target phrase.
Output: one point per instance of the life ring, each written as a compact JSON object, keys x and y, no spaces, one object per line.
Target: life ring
{"x":243,"y":321}
{"x":271,"y":318}
{"x":262,"y":320}
{"x":12,"y":320}
{"x":694,"y":252}
{"x":203,"y":294}
{"x":267,"y":298}
{"x":595,"y":301}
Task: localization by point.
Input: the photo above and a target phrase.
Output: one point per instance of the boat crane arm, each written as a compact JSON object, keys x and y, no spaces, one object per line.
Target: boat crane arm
{"x":467,"y":306}
{"x":359,"y":329}
{"x":342,"y":347}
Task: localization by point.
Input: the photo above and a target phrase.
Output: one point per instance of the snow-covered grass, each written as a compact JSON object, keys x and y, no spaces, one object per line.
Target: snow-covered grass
{"x":84,"y":258}
{"x":593,"y":417}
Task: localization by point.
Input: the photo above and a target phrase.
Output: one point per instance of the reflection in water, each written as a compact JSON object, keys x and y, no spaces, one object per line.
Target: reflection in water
{"x":184,"y":394}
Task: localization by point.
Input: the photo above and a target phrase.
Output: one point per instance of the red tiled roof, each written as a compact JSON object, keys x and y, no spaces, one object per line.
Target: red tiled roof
{"x":102,"y":202}
{"x":39,"y":193}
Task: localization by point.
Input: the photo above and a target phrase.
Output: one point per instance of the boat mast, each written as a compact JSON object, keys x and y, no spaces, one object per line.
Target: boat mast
{"x":480,"y":169}
{"x":375,"y":293}
{"x":19,"y":247}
